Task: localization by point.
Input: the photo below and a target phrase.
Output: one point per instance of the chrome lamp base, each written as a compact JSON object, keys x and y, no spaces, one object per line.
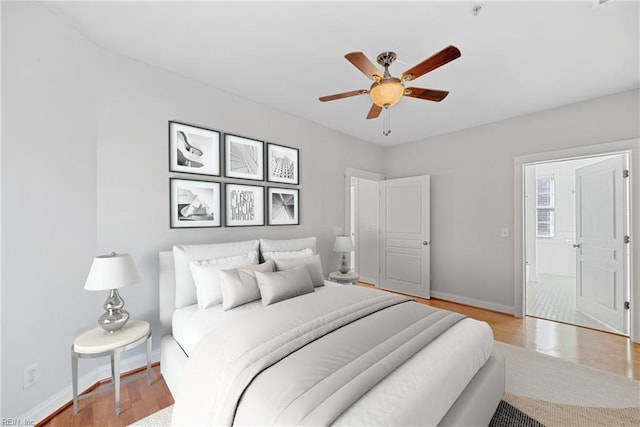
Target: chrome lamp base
{"x":344,"y":264}
{"x":115,"y":317}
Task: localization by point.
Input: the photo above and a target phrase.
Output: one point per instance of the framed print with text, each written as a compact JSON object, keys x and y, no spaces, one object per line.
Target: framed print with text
{"x":244,"y":205}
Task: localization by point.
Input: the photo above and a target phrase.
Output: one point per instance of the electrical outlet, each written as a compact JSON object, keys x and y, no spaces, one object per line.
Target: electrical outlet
{"x":30,"y":375}
{"x":504,"y":232}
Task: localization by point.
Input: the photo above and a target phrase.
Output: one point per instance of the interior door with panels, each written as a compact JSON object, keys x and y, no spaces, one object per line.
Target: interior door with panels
{"x":404,"y":235}
{"x":601,"y":236}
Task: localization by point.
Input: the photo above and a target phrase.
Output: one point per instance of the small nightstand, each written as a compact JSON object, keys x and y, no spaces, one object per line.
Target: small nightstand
{"x":350,"y":277}
{"x":97,"y":343}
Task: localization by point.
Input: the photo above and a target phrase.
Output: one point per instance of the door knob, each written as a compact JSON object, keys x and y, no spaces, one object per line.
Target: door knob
{"x":576,"y":245}
{"x":425,"y":243}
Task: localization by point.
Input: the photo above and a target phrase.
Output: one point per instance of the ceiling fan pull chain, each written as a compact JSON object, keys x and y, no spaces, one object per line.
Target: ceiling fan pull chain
{"x":386,"y":121}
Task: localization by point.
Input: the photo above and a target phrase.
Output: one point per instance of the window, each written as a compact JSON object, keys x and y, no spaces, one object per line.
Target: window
{"x":545,"y":205}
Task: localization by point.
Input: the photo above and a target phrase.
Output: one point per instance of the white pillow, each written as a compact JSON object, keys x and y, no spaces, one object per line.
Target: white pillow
{"x":184,"y":254}
{"x":239,"y":285}
{"x":205,"y":276}
{"x":314,"y":267}
{"x":282,"y":285}
{"x":287,"y":254}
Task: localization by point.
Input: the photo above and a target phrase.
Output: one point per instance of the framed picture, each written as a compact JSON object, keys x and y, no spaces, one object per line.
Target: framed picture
{"x":283,"y":206}
{"x":244,"y":205}
{"x":283,"y":164}
{"x":194,"y":203}
{"x":244,"y":158}
{"x":194,"y":149}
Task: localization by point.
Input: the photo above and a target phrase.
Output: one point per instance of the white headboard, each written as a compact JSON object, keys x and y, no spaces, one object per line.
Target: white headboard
{"x":167,"y":277}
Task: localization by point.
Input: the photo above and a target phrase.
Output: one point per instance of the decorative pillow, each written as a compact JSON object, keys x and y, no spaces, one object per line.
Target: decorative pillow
{"x":282,"y":285}
{"x":314,"y":267}
{"x":184,"y":254}
{"x":287,"y":254}
{"x":205,"y":276}
{"x":239,"y":285}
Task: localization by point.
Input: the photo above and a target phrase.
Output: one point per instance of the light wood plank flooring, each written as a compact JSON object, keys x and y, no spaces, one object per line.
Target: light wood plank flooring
{"x":601,"y":350}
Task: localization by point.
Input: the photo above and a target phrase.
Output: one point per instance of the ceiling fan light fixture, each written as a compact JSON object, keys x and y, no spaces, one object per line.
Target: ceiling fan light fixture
{"x":386,"y":92}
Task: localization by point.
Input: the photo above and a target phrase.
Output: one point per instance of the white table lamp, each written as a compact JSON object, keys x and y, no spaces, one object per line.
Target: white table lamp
{"x":111,"y":272}
{"x":343,"y":244}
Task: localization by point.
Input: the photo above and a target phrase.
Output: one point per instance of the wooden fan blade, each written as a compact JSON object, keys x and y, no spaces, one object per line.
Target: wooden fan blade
{"x":428,"y":94}
{"x":362,"y":63}
{"x":441,"y":58}
{"x":374,"y":112}
{"x":343,"y":95}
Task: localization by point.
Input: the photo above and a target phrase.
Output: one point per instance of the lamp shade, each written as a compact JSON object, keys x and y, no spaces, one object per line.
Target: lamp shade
{"x":111,"y":272}
{"x":343,"y":244}
{"x":386,"y":92}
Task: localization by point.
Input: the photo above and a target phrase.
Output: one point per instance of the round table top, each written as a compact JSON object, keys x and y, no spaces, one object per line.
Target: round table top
{"x":97,"y":340}
{"x":347,"y":277}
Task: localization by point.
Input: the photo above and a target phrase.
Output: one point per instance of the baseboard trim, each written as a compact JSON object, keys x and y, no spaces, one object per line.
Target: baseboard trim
{"x":500,"y":308}
{"x":90,"y":380}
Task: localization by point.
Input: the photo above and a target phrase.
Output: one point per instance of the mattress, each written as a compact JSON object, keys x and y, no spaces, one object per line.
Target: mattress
{"x":190,"y":324}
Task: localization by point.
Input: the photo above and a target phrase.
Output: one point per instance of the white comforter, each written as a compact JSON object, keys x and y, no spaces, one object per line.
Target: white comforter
{"x":216,"y":381}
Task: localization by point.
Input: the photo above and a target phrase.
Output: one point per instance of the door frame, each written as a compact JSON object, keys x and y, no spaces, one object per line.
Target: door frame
{"x":630,"y":147}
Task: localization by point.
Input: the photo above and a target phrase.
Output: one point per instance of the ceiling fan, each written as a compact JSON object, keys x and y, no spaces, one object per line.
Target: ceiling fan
{"x":387,"y":90}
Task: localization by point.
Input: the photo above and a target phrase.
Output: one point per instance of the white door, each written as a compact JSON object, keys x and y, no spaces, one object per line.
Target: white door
{"x":404,"y":236}
{"x":601,"y":270}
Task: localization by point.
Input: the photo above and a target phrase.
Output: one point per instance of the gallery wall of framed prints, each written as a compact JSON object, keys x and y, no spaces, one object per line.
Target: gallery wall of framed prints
{"x":206,"y":152}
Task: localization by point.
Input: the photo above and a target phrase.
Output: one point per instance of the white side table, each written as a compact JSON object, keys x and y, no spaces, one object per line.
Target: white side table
{"x":350,"y":277}
{"x":97,"y":343}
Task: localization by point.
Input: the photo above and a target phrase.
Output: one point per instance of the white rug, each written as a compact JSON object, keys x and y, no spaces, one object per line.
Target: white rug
{"x":533,"y":377}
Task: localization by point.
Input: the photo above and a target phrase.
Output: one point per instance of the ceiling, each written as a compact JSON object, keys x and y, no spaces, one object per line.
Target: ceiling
{"x":517,"y":57}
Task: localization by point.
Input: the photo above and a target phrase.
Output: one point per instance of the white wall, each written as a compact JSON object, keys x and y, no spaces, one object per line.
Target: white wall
{"x":472,"y":181}
{"x":48,"y":199}
{"x":85,"y":171}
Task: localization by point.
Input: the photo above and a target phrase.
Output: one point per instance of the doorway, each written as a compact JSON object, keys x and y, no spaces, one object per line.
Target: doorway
{"x":577,"y":265}
{"x":389,"y":222}
{"x":364,"y":228}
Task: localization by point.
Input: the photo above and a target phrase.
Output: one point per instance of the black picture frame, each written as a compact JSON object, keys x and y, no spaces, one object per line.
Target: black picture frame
{"x":244,"y":205}
{"x":283,"y":164}
{"x":243,"y":158}
{"x":283,"y":206}
{"x":194,"y":203}
{"x":194,"y":149}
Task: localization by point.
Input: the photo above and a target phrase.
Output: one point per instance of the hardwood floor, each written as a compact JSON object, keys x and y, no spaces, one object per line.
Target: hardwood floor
{"x":608,"y":352}
{"x":137,"y":400}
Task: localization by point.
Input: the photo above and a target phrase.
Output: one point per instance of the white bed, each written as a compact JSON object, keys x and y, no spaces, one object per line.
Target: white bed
{"x":455,"y":380}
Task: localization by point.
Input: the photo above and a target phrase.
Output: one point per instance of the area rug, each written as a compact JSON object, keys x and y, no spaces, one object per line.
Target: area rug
{"x":505,"y":416}
{"x":543,"y":390}
{"x":557,"y":392}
